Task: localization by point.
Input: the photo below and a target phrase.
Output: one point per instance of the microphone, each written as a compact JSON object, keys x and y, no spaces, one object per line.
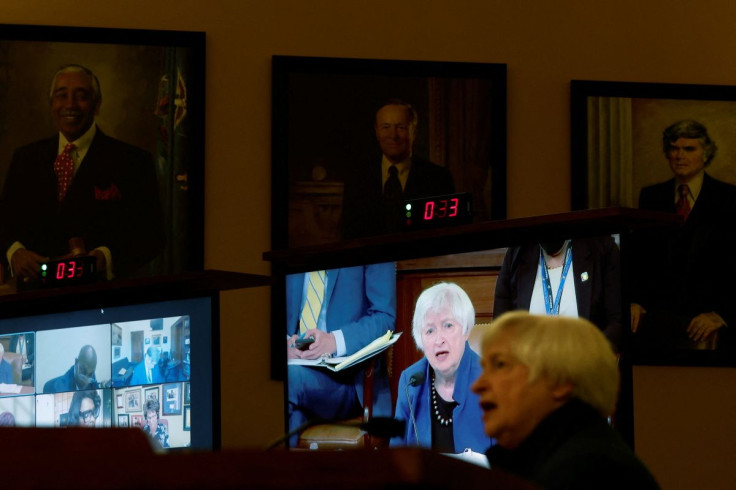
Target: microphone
{"x":414,"y":380}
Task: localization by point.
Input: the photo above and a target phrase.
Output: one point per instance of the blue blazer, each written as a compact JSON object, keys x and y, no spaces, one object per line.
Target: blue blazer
{"x":467,"y":416}
{"x":6,"y":372}
{"x":139,"y":375}
{"x":361,"y":301}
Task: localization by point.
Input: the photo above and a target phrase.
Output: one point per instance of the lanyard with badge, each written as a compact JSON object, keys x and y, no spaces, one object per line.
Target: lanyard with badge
{"x":553,"y":308}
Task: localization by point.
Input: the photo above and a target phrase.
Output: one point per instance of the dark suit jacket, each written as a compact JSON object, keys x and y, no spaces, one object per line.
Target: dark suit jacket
{"x":689,"y":270}
{"x":65,"y":382}
{"x":364,"y":211}
{"x":574,"y":448}
{"x":467,"y":415}
{"x":598,"y":298}
{"x":139,"y":375}
{"x":362,"y":303}
{"x":112,"y":201}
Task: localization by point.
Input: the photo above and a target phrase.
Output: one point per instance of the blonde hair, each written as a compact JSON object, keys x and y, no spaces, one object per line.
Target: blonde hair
{"x":562,"y":350}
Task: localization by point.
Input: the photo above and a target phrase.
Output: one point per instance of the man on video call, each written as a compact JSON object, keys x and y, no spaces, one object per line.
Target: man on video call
{"x":375,"y":190}
{"x":148,"y":372}
{"x":80,"y":183}
{"x":81,"y":376}
{"x":358,"y":305}
{"x":685,"y":291}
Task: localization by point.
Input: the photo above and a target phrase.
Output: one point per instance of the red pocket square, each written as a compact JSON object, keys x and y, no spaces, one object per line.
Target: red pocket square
{"x":112,"y":193}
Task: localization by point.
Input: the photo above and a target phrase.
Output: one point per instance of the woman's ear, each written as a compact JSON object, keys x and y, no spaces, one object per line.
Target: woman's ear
{"x":562,"y":391}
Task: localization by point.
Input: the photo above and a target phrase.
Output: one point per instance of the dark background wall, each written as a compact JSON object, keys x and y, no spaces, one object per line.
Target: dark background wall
{"x":684,"y":416}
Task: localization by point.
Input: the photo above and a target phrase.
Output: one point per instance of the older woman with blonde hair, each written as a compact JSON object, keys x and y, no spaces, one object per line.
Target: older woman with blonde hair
{"x":434,"y":393}
{"x":547,"y":387}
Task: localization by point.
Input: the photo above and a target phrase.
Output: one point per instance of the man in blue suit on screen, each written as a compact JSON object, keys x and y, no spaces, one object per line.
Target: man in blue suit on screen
{"x":148,"y":372}
{"x":353,"y":307}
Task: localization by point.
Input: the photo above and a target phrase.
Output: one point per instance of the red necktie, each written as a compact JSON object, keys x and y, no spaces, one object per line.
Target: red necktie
{"x":683,"y":203}
{"x":64,"y":169}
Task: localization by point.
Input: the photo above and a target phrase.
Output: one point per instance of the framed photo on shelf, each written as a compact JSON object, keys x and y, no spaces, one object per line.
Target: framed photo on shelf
{"x":666,"y":148}
{"x":328,"y":149}
{"x":172,"y":399}
{"x":151,"y":88}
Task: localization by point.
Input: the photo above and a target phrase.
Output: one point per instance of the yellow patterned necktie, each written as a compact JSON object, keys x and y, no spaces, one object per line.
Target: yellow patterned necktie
{"x":313,"y":301}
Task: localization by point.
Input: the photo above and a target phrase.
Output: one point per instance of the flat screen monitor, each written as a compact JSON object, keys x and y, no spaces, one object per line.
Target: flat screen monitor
{"x":494,"y":280}
{"x":151,"y":366}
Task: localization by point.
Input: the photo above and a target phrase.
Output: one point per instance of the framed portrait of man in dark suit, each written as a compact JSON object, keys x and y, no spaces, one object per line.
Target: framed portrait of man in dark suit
{"x":104,"y":155}
{"x":342,"y":126}
{"x":667,"y":148}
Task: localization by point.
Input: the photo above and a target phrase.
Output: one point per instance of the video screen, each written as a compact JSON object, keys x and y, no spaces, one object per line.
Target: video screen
{"x":125,"y":366}
{"x":358,"y":304}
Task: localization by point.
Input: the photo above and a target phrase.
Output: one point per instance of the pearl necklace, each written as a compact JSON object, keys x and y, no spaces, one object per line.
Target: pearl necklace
{"x":443,"y":421}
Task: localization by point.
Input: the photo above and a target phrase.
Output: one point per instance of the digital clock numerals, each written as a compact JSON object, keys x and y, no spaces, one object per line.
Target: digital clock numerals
{"x":69,"y":270}
{"x":442,"y":208}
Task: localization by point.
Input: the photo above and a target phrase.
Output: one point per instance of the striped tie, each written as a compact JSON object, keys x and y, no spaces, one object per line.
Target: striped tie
{"x":313,"y":301}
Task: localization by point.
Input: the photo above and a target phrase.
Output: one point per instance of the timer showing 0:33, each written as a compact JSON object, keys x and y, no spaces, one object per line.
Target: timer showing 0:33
{"x":438,"y":211}
{"x":442,"y":208}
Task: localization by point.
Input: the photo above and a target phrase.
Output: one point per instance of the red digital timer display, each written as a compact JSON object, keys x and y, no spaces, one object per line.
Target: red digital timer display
{"x":68,"y":271}
{"x":441,"y":208}
{"x":438,"y":211}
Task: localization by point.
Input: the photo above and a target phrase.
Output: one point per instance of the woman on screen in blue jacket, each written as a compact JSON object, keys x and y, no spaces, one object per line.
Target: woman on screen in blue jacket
{"x":434,"y":396}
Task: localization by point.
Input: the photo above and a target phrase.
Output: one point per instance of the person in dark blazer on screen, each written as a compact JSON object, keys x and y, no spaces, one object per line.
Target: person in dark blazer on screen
{"x":81,"y":184}
{"x":591,"y":287}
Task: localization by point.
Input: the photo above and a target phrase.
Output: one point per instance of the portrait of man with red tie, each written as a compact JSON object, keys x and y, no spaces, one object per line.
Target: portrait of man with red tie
{"x":81,"y":184}
{"x":684,"y":278}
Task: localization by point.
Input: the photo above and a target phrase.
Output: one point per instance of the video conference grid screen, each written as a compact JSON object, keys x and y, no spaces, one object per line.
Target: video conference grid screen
{"x":125,"y":366}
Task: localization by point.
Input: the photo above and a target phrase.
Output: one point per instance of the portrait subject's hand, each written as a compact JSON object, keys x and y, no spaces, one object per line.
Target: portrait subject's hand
{"x":702,"y":326}
{"x":26,"y":263}
{"x":291,"y":351}
{"x":324,"y":343}
{"x":637,"y":311}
